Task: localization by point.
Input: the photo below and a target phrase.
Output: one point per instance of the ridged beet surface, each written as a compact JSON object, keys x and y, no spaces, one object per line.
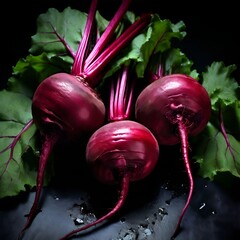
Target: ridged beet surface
{"x":125,"y":146}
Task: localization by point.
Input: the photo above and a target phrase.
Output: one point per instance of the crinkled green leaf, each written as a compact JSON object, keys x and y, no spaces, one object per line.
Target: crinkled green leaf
{"x":20,"y":170}
{"x":29,"y":72}
{"x":15,"y":107}
{"x":175,"y":61}
{"x":158,"y":39}
{"x":218,"y":149}
{"x":214,"y":155}
{"x":160,"y":34}
{"x":221,"y":87}
{"x":69,"y":24}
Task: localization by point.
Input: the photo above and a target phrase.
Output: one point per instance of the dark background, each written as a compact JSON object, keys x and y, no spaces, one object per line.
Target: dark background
{"x":212,"y":35}
{"x":212,"y":27}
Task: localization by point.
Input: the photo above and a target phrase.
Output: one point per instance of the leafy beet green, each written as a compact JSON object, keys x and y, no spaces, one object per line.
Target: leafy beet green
{"x":13,"y":177}
{"x":218,"y":146}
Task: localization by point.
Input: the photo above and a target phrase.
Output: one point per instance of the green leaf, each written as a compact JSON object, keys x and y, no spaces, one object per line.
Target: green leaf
{"x":69,"y":24}
{"x":161,"y":33}
{"x":158,"y":39}
{"x":29,"y":72}
{"x":175,"y":61}
{"x":19,"y":170}
{"x":221,"y":87}
{"x":15,"y":107}
{"x":215,"y":156}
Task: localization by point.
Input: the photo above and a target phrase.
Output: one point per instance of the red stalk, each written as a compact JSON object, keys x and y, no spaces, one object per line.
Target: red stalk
{"x":93,"y":72}
{"x":120,"y":99}
{"x":78,"y":64}
{"x":108,"y":33}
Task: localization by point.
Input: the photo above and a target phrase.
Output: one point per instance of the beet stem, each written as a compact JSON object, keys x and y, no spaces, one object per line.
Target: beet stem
{"x":47,"y":147}
{"x":118,"y":206}
{"x":108,"y":33}
{"x":93,"y":71}
{"x":122,"y":93}
{"x":184,"y":147}
{"x":80,"y":56}
{"x":121,"y":96}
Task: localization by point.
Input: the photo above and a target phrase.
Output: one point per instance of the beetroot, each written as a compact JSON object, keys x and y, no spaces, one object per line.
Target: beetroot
{"x":174,"y":107}
{"x":121,"y":151}
{"x":64,"y":102}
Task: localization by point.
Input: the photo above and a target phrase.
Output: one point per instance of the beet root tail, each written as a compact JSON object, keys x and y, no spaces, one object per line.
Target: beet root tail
{"x":121,"y":201}
{"x":47,"y":147}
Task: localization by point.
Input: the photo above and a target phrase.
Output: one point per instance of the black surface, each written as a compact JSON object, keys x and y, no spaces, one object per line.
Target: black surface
{"x":212,"y":29}
{"x":155,"y":203}
{"x":215,"y":221}
{"x":151,"y":211}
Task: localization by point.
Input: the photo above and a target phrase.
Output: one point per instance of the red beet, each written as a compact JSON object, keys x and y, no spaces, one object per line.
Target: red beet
{"x":174,"y":107}
{"x":121,"y":151}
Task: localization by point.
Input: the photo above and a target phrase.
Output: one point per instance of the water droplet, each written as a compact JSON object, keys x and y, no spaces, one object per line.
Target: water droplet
{"x":78,"y":221}
{"x":56,"y":198}
{"x":162,"y":211}
{"x":83,"y":207}
{"x":202,"y":206}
